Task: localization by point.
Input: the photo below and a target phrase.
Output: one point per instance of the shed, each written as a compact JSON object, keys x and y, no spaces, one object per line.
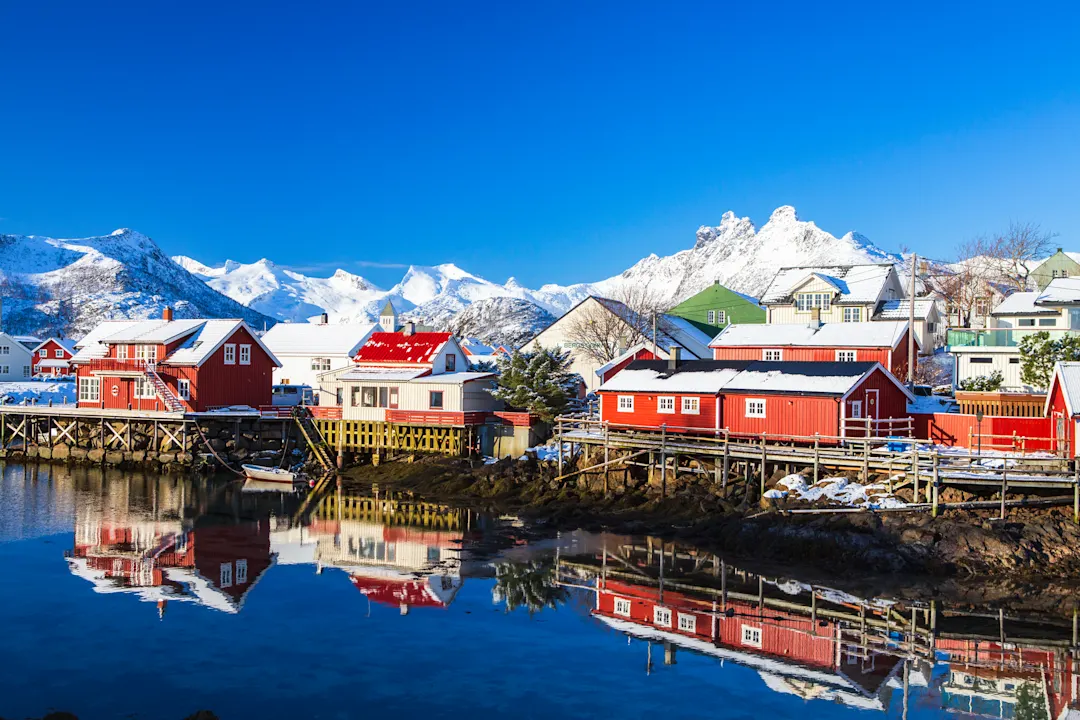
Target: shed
{"x":1063,"y":407}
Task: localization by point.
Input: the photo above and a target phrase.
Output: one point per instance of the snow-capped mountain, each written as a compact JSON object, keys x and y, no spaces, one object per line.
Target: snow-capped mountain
{"x":65,"y":286}
{"x":504,"y":321}
{"x":735,"y":253}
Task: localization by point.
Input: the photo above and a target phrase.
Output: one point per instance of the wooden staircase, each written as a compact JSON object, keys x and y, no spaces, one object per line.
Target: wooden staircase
{"x":172,"y":403}
{"x":319,"y":449}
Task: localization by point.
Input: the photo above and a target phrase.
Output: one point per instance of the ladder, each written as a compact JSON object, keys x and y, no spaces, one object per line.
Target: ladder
{"x":172,"y":403}
{"x":314,"y":438}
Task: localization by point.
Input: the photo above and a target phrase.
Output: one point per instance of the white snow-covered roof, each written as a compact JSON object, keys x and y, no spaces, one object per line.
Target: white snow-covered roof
{"x":829,"y":379}
{"x":1023,"y":303}
{"x":29,"y":341}
{"x":1061,"y":291}
{"x":670,"y":329}
{"x":196,"y":349}
{"x":66,"y":343}
{"x":316,"y":339}
{"x":901,"y":309}
{"x":1067,"y":376}
{"x":454,"y":378}
{"x":91,"y":347}
{"x":855,"y":283}
{"x":705,"y":381}
{"x":155,"y":332}
{"x":374,"y":374}
{"x":876,"y":334}
{"x":51,"y":363}
{"x":661,"y":353}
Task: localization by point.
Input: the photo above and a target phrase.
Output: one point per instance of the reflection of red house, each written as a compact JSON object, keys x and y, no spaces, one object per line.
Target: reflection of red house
{"x":400,"y":590}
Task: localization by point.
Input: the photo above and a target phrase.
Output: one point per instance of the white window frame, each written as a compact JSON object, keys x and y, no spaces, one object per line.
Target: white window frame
{"x":805,"y":302}
{"x":772,"y":355}
{"x":229,"y":354}
{"x":721,"y":317}
{"x":751,"y":636}
{"x":622,"y":607}
{"x":26,"y":371}
{"x":710,"y":317}
{"x":183,"y":389}
{"x":665,"y":404}
{"x":5,"y":369}
{"x":752,"y":407}
{"x":225,"y":575}
{"x":89,"y":389}
{"x":320,"y":364}
{"x":5,"y":349}
{"x":43,"y":353}
{"x":688,"y":623}
{"x":691,"y":405}
{"x":146,"y":352}
{"x":845,"y":356}
{"x":856,"y":410}
{"x":245,"y":354}
{"x":661,"y":616}
{"x":241,"y":572}
{"x":853,"y":314}
{"x":625,"y":403}
{"x":58,"y":353}
{"x":121,"y":352}
{"x":143,"y":389}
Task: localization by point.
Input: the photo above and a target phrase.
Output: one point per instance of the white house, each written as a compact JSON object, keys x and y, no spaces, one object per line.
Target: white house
{"x":929,"y":328}
{"x":16,"y":359}
{"x":832,"y":293}
{"x":671,"y":331}
{"x":307,"y":350}
{"x":410,"y":377}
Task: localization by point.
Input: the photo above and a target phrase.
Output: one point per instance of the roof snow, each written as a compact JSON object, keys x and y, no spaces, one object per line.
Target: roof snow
{"x":91,"y":347}
{"x":371,"y":374}
{"x":1023,"y":303}
{"x":1067,"y":374}
{"x":316,"y":339}
{"x":670,"y":329}
{"x":702,"y":376}
{"x":155,"y":332}
{"x":855,"y":283}
{"x":901,"y":309}
{"x":862,"y":334}
{"x":1060,"y":291}
{"x":397,"y":348}
{"x":802,"y":377}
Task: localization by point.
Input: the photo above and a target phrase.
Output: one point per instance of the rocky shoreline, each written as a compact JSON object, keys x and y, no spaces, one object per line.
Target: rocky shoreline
{"x":1032,"y":547}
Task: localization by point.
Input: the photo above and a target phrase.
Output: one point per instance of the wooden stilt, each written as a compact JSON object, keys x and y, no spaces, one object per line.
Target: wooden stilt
{"x":937,"y":483}
{"x":762,"y":493}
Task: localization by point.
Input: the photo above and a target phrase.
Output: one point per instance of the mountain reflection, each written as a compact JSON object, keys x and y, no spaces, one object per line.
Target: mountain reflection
{"x":166,"y":540}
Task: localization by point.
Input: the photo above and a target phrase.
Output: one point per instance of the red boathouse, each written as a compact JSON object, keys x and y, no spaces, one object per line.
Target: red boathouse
{"x":173,"y":366}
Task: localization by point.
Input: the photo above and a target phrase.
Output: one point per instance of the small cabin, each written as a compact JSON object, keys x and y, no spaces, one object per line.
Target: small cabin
{"x":52,"y":357}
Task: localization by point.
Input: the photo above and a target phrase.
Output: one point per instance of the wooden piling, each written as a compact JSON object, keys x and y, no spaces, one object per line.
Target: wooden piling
{"x":763,"y":456}
{"x":937,"y":482}
{"x":1004,"y":489}
{"x":817,"y":458}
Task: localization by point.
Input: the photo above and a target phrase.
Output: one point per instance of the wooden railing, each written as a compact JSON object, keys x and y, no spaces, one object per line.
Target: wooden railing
{"x":436,"y":417}
{"x":1001,"y":404}
{"x":115,"y":365}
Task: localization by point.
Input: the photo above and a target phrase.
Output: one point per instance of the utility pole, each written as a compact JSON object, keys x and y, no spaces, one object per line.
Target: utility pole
{"x":911,"y":324}
{"x":654,"y":334}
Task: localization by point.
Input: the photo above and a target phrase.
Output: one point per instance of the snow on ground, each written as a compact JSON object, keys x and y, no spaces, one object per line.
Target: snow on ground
{"x":37,"y":392}
{"x":836,"y":490}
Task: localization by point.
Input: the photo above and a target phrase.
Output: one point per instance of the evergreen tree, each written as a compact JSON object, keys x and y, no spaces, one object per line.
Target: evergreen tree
{"x":539,"y":382}
{"x":1039,"y":354}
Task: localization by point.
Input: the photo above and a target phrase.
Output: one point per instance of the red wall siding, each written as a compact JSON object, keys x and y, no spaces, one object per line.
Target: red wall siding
{"x":951,"y":429}
{"x":645,"y":414}
{"x":639,"y":355}
{"x":52,"y":346}
{"x":801,"y":354}
{"x":786,"y":415}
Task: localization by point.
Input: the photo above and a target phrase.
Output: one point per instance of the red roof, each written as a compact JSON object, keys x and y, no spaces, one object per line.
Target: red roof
{"x":387,"y":348}
{"x":398,"y":592}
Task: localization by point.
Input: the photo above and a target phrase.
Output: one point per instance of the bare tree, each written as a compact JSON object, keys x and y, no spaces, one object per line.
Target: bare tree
{"x":964,"y":282}
{"x":605,"y":329}
{"x":1019,"y":249}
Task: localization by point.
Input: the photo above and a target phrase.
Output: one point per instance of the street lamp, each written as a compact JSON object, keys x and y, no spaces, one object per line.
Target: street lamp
{"x":978,"y":421}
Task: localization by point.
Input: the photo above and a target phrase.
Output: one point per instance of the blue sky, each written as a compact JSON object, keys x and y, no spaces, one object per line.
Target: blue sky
{"x":555,"y":142}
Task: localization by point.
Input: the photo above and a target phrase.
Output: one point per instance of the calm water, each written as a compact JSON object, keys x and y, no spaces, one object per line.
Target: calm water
{"x":152,"y":597}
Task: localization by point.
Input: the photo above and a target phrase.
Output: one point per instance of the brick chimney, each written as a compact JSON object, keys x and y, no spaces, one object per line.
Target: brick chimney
{"x":673,"y":357}
{"x":166,"y":314}
{"x":815,"y":317}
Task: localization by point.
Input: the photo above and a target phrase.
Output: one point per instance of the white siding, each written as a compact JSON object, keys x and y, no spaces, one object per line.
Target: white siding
{"x":16,"y":359}
{"x":1000,"y":359}
{"x":296,"y":369}
{"x":450,"y":348}
{"x":468,"y":397}
{"x":788,"y":315}
{"x":557,"y":335}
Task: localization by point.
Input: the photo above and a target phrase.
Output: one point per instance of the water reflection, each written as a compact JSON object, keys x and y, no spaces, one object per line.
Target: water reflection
{"x":212,"y":545}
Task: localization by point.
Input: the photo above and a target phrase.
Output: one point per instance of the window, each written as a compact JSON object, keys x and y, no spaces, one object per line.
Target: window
{"x":144,"y":389}
{"x":665,"y":404}
{"x":146,"y":352}
{"x":755,"y":408}
{"x":339,"y":396}
{"x":121,"y":352}
{"x":982,"y":360}
{"x":751,"y":636}
{"x":5,"y":369}
{"x":436,"y":402}
{"x":320,"y":364}
{"x":691,"y":406}
{"x":1059,"y":273}
{"x":451,"y":362}
{"x":852,"y":314}
{"x":856,"y":409}
{"x":225,"y":579}
{"x":1014,"y":361}
{"x":622,"y":607}
{"x":183,"y":389}
{"x":5,"y":349}
{"x":230,"y":354}
{"x":241,"y":572}
{"x":845,"y":356}
{"x":26,"y":371}
{"x":931,"y":327}
{"x":37,"y":369}
{"x":1047,"y":322}
{"x":982,"y":307}
{"x":711,"y":317}
{"x":59,"y":353}
{"x":626,"y":403}
{"x":393,"y":404}
{"x":772,"y":355}
{"x":1025,"y":322}
{"x":721,"y":317}
{"x":89,"y":389}
{"x":687,"y":623}
{"x":354,"y":396}
{"x":369,"y":397}
{"x":804,"y":302}
{"x":43,"y":353}
{"x":661,"y":616}
{"x":245,"y":354}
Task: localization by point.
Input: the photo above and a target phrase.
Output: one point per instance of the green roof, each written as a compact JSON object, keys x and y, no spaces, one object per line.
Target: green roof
{"x":388,"y":309}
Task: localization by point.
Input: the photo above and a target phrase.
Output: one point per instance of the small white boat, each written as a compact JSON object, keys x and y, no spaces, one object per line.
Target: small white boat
{"x":268,"y":474}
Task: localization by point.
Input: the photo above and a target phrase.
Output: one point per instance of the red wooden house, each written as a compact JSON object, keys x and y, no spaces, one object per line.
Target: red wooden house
{"x":173,"y":365}
{"x":53,"y":357}
{"x":793,"y":399}
{"x":641,"y":351}
{"x":1063,"y":407}
{"x":882,"y":342}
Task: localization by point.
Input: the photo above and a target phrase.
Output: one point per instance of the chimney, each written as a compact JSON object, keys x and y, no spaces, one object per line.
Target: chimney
{"x":815,"y":317}
{"x":409,"y":329}
{"x":673,"y":357}
{"x":324,"y":319}
{"x":166,"y":314}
